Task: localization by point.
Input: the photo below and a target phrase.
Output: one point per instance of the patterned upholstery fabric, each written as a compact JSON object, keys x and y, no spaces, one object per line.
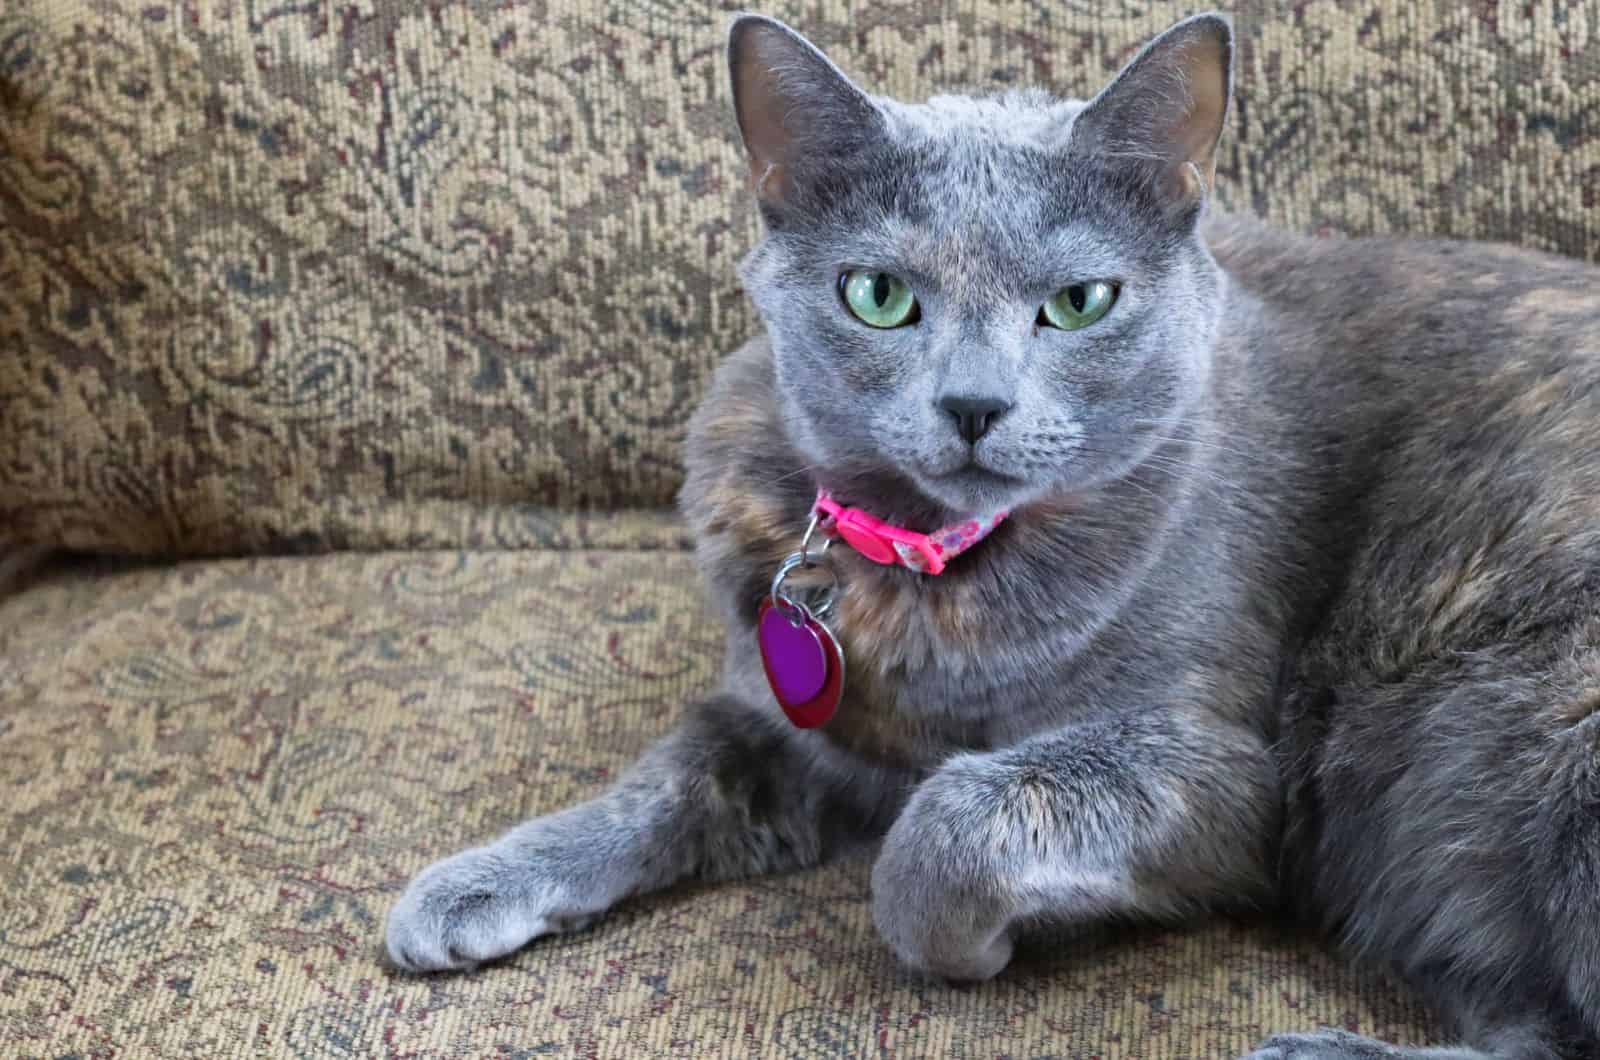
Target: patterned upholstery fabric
{"x":280,"y":275}
{"x":218,"y":775}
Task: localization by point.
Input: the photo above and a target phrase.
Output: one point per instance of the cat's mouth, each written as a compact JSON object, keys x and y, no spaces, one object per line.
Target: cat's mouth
{"x":969,"y":467}
{"x":971,"y":486}
{"x":973,"y":471}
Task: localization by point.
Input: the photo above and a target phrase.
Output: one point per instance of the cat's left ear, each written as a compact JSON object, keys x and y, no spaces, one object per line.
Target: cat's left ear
{"x":1167,"y":106}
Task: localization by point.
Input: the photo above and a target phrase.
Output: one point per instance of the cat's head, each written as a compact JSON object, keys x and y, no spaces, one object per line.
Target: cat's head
{"x":989,"y":300}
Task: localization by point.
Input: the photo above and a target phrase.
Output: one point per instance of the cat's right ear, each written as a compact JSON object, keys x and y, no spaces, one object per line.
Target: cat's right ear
{"x":796,"y":109}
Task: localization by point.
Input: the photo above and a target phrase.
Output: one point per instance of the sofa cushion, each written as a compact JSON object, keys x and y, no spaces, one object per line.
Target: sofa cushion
{"x":218,"y":776}
{"x":284,"y":276}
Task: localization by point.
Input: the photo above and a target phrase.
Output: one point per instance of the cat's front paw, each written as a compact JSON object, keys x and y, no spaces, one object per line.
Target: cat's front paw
{"x":940,"y":898}
{"x":478,"y":905}
{"x":1324,"y":1045}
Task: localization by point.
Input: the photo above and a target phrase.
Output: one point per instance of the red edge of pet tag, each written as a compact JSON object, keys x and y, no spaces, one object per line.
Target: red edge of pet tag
{"x":801,"y":656}
{"x":803,"y":661}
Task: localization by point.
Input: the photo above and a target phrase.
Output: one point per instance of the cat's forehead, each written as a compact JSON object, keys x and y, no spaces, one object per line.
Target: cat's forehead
{"x":978,"y":195}
{"x":981,"y":162}
{"x":983,"y":185}
{"x":1017,"y":118}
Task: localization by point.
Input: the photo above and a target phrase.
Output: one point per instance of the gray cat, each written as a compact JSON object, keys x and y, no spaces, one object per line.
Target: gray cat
{"x":1297,"y":606}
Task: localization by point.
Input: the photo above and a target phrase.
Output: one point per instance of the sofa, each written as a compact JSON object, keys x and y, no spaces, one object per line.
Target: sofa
{"x":346,"y":351}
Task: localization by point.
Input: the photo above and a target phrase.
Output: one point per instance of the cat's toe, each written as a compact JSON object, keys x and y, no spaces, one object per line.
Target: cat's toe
{"x":977,"y":965}
{"x":460,"y":912}
{"x":1322,"y":1045}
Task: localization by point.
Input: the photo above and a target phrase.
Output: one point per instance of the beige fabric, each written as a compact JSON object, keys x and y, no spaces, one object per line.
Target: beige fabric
{"x":292,"y":276}
{"x":273,"y":274}
{"x":217,"y":777}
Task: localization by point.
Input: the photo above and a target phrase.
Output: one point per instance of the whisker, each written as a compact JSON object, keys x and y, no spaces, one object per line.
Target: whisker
{"x":1170,"y":465}
{"x":786,"y":476}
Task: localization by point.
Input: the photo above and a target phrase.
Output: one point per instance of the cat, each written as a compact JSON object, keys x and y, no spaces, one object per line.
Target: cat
{"x":1293,"y":600}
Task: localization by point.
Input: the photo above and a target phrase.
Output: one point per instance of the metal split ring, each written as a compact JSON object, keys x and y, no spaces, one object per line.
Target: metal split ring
{"x":793,"y":562}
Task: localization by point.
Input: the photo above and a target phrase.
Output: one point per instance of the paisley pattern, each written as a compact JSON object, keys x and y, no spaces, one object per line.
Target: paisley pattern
{"x":219,"y":775}
{"x":285,"y":276}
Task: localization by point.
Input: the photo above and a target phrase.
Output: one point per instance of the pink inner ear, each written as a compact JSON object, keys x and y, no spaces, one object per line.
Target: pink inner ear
{"x":1204,"y":65}
{"x":761,"y":108}
{"x":761,"y":122}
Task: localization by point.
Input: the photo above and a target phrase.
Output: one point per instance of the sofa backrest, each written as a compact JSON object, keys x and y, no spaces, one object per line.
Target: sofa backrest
{"x":298,"y":275}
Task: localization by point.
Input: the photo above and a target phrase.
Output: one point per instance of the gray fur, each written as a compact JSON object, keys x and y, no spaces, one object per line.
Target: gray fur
{"x":1297,"y":608}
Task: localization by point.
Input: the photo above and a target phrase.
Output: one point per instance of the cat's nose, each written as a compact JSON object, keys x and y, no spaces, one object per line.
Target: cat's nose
{"x":973,"y":416}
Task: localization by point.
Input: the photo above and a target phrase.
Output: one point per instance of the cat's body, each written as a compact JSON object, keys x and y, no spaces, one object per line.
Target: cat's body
{"x":1308,"y":617}
{"x":1373,"y":402}
{"x":1398,"y":474}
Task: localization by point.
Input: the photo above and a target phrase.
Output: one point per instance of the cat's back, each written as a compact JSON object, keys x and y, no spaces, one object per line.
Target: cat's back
{"x":1411,"y":356}
{"x":1403,"y":309}
{"x":1452,"y":389}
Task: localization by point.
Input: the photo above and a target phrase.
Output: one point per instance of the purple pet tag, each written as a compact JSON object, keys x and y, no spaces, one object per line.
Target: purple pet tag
{"x":797,"y":666}
{"x":803,"y":663}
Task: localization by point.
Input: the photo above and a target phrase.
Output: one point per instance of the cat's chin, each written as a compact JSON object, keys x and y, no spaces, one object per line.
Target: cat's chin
{"x":973,"y":489}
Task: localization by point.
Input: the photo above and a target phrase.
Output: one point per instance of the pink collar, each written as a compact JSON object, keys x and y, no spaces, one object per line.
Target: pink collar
{"x":889,"y":545}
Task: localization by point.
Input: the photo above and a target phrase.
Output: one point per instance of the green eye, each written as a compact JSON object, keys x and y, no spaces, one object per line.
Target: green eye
{"x":1078,"y":306}
{"x":878,"y":299}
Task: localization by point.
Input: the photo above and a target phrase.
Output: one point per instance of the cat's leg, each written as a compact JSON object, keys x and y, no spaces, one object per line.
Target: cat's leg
{"x":1160,"y":814}
{"x":729,"y":793}
{"x":1342,"y":1045}
{"x":1493,"y":1031}
{"x":1492,"y":1027}
{"x":1448,"y":827}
